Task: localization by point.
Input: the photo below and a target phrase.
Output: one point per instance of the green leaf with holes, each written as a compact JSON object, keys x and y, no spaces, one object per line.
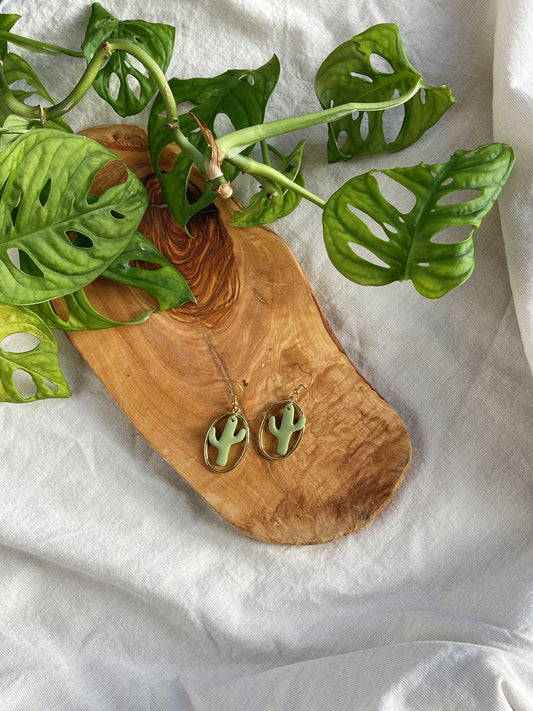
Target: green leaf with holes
{"x":12,"y":127}
{"x":273,"y":202}
{"x":140,"y":265}
{"x":374,"y":66}
{"x":241,"y":95}
{"x":143,"y":266}
{"x":135,"y":87}
{"x":48,"y":213}
{"x":37,"y":360}
{"x":17,"y":69}
{"x":81,"y":315}
{"x":408,"y":246}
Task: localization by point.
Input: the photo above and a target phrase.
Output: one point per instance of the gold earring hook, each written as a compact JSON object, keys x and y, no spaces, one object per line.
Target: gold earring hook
{"x":300,"y":387}
{"x":234,"y":401}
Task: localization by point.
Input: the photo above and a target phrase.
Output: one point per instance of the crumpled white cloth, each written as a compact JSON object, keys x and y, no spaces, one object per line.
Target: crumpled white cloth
{"x":121,"y":589}
{"x":513,"y":124}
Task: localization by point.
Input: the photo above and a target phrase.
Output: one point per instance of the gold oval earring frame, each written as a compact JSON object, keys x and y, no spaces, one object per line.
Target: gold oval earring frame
{"x":282,"y":404}
{"x":238,"y":417}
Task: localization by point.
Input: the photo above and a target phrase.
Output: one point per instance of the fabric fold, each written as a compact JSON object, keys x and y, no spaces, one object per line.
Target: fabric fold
{"x":513,"y":124}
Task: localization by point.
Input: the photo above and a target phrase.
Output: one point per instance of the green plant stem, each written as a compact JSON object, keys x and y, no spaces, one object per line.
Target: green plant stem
{"x":266,"y":172}
{"x":265,"y":153}
{"x":233,"y":143}
{"x":169,"y":102}
{"x":268,"y":185}
{"x":53,"y":112}
{"x":97,"y":62}
{"x":39,"y":47}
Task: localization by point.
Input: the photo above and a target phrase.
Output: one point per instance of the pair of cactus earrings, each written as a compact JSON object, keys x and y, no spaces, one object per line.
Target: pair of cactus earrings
{"x":280,"y":433}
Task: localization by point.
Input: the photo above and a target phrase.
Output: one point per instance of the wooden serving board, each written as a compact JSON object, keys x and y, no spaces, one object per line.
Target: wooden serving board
{"x":258,"y":331}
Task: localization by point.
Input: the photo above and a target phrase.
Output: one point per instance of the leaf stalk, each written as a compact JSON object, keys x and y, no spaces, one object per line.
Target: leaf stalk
{"x":96,"y":63}
{"x":171,"y":109}
{"x":36,"y":46}
{"x":233,"y":143}
{"x":265,"y":172}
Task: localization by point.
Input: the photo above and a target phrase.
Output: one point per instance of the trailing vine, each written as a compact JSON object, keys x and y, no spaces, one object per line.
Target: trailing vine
{"x":56,"y":237}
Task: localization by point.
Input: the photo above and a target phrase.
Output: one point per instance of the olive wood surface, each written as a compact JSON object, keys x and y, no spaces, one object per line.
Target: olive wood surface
{"x":256,"y":331}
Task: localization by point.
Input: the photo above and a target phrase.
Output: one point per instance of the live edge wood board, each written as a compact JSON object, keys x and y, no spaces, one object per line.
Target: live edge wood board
{"x":256,"y":330}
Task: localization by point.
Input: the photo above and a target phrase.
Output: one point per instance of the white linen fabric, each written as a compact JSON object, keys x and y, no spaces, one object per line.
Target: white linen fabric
{"x":121,"y":589}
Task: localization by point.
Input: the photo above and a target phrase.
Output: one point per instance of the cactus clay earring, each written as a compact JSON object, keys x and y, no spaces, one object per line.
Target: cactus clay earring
{"x":223,"y":433}
{"x":284,"y":419}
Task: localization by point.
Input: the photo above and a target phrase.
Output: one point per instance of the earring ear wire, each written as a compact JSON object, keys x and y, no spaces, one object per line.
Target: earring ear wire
{"x":300,"y":387}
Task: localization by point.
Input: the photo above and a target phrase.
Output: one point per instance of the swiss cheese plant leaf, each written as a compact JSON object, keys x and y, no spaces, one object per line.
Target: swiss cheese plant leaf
{"x":413,"y":245}
{"x":48,"y":213}
{"x":273,"y":201}
{"x":373,"y":66}
{"x":123,"y":83}
{"x":238,"y":95}
{"x":17,"y":69}
{"x":15,"y":125}
{"x":29,"y":349}
{"x":12,"y":127}
{"x":81,"y":315}
{"x":140,"y":265}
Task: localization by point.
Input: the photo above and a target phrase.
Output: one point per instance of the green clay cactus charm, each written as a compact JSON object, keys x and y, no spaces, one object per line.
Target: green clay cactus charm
{"x":229,"y":436}
{"x":293,"y":421}
{"x":288,"y":426}
{"x":227,"y":439}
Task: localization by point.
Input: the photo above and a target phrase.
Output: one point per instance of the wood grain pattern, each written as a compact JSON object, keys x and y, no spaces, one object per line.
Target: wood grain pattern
{"x":256,"y":323}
